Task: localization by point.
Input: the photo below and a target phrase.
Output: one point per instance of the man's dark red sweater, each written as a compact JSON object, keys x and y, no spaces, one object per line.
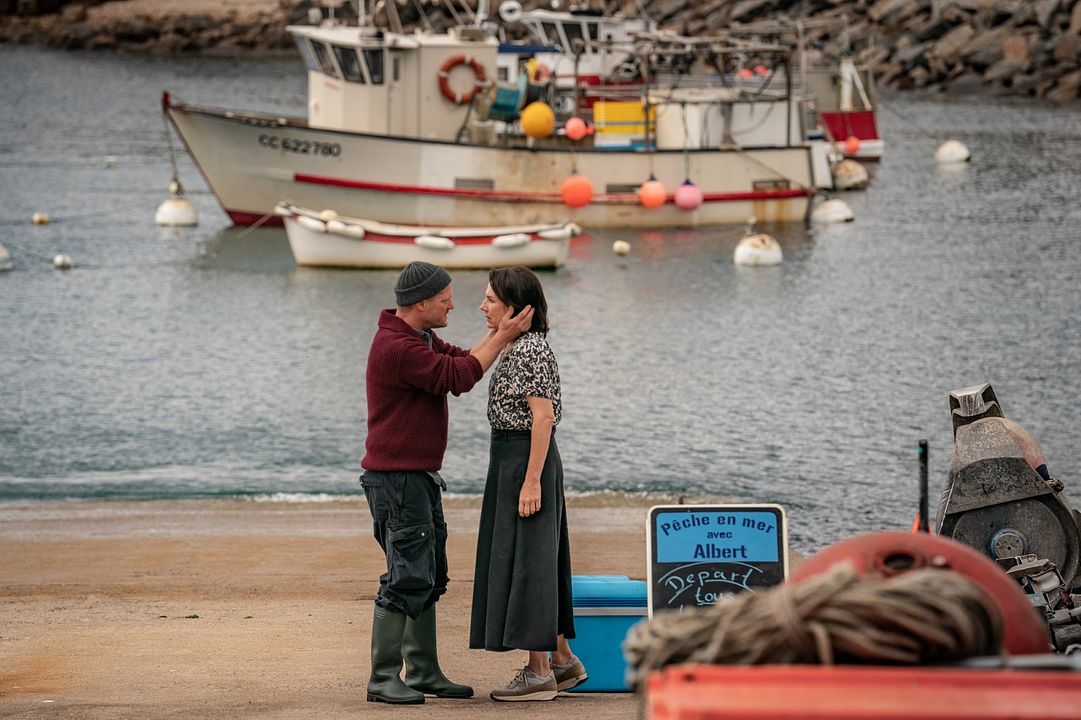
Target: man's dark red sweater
{"x":407,"y":385}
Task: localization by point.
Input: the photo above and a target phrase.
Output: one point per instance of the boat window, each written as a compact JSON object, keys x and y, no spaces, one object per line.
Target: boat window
{"x":324,"y":58}
{"x":306,"y":54}
{"x":593,"y":29}
{"x":374,"y":59}
{"x":551,"y":30}
{"x":573,"y":31}
{"x":535,"y":31}
{"x":348,"y":62}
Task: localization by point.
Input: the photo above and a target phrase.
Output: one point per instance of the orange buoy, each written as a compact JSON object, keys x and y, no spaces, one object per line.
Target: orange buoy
{"x":852,"y":145}
{"x":577,"y":191}
{"x":576,"y":128}
{"x":652,"y":193}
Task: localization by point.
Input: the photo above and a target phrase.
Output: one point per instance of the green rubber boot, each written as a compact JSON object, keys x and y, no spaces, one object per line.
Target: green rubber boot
{"x":385,"y":683}
{"x":422,"y":671}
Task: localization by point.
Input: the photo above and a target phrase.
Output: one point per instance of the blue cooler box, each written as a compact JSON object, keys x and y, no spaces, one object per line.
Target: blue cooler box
{"x":605,"y":608}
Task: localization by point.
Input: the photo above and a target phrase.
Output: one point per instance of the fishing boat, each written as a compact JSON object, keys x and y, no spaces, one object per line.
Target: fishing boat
{"x":430,"y":128}
{"x":326,"y":239}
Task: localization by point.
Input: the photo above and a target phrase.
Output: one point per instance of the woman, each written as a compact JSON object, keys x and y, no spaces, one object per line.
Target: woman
{"x":522,"y":584}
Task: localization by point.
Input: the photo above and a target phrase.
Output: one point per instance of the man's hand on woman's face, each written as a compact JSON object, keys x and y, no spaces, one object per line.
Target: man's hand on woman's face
{"x":512,"y":327}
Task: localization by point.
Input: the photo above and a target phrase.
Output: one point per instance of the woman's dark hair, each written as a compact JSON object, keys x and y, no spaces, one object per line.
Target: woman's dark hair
{"x":518,"y":287}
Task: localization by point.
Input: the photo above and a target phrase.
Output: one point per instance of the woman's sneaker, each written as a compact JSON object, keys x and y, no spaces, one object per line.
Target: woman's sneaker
{"x":570,"y":675}
{"x":527,"y":685}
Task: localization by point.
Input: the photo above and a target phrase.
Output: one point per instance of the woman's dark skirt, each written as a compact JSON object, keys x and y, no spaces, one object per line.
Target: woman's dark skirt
{"x":522,"y":584}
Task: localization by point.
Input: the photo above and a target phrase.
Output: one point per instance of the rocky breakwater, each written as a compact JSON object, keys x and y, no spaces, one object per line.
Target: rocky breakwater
{"x":164,"y":27}
{"x":1022,"y":47}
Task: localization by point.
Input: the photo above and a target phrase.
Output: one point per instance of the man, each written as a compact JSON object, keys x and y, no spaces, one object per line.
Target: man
{"x":410,"y":372}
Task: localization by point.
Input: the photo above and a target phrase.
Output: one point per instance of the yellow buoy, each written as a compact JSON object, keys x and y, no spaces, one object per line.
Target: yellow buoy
{"x":40,"y":218}
{"x":538,"y":120}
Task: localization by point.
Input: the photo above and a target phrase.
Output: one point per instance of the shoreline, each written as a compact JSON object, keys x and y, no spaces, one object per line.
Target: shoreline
{"x":216,"y":609}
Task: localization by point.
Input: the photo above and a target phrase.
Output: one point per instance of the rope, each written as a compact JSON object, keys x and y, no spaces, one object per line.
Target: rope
{"x":919,"y":617}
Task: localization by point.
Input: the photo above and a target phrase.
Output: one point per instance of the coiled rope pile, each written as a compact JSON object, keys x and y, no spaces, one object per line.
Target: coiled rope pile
{"x":919,"y":617}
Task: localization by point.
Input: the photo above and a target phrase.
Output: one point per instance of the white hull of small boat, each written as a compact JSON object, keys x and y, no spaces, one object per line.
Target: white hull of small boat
{"x":328,"y":240}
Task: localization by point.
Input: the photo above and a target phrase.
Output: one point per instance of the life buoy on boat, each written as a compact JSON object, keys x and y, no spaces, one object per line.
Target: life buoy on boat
{"x":444,"y":73}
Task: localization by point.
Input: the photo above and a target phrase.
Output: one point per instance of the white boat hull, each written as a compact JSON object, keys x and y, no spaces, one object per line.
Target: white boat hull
{"x":252,"y":162}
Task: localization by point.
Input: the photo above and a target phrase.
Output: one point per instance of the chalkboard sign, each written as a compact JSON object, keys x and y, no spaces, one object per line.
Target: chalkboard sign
{"x":699,"y":554}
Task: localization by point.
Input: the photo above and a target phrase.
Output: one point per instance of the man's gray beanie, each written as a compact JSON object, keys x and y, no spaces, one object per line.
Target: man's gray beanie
{"x":419,"y":281}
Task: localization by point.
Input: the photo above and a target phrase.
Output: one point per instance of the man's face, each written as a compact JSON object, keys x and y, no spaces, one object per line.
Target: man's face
{"x":434,"y":310}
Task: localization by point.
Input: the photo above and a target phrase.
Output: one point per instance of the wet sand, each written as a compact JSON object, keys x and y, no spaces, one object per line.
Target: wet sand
{"x":228,"y":608}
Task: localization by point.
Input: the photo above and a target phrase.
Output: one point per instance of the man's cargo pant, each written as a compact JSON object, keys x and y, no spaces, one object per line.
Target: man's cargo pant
{"x":408,"y":523}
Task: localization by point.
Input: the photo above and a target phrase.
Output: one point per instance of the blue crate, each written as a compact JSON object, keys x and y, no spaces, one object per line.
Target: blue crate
{"x":605,"y":608}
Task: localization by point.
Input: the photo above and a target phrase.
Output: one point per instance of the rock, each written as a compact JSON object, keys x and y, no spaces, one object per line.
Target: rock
{"x":985,"y":49}
{"x":1045,"y":10}
{"x":1075,"y":20}
{"x":1016,"y":46}
{"x":1005,"y":70}
{"x":1068,"y":88}
{"x":1067,"y":48}
{"x":949,"y":48}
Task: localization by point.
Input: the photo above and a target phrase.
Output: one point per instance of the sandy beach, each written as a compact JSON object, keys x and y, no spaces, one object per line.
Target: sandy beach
{"x":231,"y":608}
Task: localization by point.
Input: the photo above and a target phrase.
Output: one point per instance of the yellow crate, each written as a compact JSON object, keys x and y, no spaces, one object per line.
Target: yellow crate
{"x":621,"y":118}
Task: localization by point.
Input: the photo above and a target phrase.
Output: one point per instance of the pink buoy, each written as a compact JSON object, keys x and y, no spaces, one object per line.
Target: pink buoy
{"x":688,"y":196}
{"x":652,"y":193}
{"x":746,"y":73}
{"x":576,"y":128}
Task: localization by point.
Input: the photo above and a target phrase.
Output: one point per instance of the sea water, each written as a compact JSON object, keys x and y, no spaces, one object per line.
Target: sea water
{"x":203,"y":362}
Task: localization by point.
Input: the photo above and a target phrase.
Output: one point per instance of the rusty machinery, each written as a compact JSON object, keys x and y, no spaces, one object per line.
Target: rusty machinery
{"x":1000,"y":499}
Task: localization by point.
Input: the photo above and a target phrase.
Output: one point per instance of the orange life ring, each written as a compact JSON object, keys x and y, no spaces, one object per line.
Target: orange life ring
{"x":444,"y":72}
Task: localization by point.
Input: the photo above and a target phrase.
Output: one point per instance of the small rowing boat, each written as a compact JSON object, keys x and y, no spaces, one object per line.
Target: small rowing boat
{"x":326,"y":239}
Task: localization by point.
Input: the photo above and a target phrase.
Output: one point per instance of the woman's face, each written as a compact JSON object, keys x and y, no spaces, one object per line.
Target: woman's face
{"x":493,"y":308}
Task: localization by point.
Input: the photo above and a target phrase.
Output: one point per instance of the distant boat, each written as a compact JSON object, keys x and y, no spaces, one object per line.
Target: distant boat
{"x":326,"y":239}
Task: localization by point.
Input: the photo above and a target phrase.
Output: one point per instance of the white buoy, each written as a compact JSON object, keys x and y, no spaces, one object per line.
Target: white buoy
{"x":110,"y":161}
{"x":6,"y":263}
{"x":621,"y":247}
{"x":63,"y":262}
{"x":952,"y":151}
{"x":850,"y":175}
{"x":832,"y":211}
{"x":40,"y":218}
{"x":176,"y":211}
{"x":757,"y":248}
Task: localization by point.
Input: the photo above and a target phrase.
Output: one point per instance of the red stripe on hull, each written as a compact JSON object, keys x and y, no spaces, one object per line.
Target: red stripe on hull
{"x":239,"y":217}
{"x":555,"y":198}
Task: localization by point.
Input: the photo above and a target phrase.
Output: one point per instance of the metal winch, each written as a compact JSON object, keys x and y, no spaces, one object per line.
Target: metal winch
{"x":1000,"y":499}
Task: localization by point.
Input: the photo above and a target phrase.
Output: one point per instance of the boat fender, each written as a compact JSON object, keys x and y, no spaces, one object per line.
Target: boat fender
{"x":341,"y":228}
{"x":434,"y":242}
{"x":310,"y":223}
{"x":575,"y":229}
{"x":444,"y":73}
{"x":560,"y":233}
{"x":511,"y":240}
